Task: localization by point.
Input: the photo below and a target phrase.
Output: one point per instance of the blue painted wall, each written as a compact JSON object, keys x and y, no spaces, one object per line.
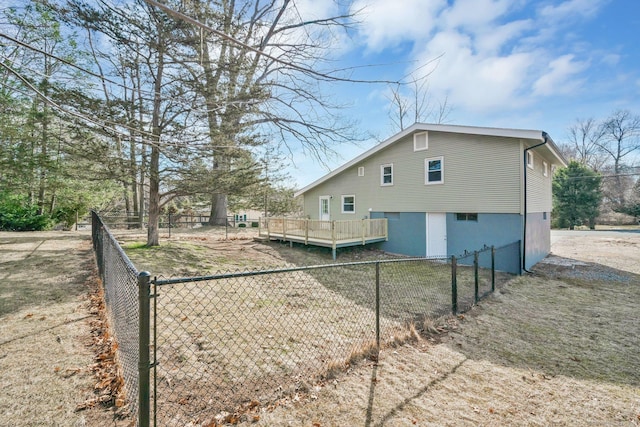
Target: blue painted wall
{"x":491,"y":230}
{"x":407,"y":236}
{"x":407,"y":233}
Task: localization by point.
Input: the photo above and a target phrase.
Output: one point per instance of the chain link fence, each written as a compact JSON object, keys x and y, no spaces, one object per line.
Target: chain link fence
{"x":254,"y":337}
{"x":477,"y":273}
{"x":120,"y":282}
{"x":197,"y":349}
{"x":168,"y":221}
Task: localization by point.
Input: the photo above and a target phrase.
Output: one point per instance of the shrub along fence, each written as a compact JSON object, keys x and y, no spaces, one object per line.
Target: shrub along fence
{"x":197,"y":349}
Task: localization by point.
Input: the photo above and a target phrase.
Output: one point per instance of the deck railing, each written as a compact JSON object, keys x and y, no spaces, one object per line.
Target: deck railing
{"x":311,"y":231}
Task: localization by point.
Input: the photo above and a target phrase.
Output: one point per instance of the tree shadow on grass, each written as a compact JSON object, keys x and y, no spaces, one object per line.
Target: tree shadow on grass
{"x":38,"y":270}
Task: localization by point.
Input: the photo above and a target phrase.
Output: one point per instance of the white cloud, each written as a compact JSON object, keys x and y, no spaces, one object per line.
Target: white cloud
{"x":475,"y":81}
{"x":494,"y":39}
{"x":387,"y":23}
{"x":474,"y":13}
{"x":611,"y":59}
{"x":561,"y":77}
{"x":491,"y":54}
{"x":571,"y":9}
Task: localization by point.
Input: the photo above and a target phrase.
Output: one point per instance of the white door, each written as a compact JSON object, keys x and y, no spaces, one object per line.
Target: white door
{"x":325,"y":208}
{"x":436,"y":235}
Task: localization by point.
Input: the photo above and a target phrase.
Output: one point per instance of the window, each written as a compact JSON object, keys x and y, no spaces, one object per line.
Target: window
{"x":349,"y":204}
{"x":544,"y":216}
{"x":530,"y":159}
{"x":420,"y":141}
{"x":361,"y":171}
{"x":467,"y":217}
{"x":386,"y":174}
{"x":434,"y":173}
{"x":545,"y":168}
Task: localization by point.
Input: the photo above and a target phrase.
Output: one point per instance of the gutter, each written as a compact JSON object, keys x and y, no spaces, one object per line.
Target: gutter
{"x":545,"y":137}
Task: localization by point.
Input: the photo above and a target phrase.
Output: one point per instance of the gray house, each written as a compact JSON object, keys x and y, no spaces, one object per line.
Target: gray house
{"x":445,"y":189}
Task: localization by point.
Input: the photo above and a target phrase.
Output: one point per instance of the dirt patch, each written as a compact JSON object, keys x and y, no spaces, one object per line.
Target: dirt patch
{"x":617,"y":250}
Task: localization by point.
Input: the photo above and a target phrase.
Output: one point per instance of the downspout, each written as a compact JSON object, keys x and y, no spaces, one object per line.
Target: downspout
{"x":524,"y":188}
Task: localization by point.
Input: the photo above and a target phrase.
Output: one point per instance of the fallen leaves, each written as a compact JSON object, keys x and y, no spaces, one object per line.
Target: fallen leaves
{"x":109,"y":388}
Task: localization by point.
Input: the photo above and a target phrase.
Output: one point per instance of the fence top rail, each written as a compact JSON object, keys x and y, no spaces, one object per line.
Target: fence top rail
{"x":485,"y":249}
{"x":292,"y":218}
{"x":119,"y":249}
{"x":285,"y":270}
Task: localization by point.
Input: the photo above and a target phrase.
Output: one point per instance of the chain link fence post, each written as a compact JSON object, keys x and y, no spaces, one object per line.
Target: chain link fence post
{"x":475,"y":276}
{"x":454,"y":285}
{"x":144,"y":366}
{"x":378,"y":307}
{"x":493,"y":268}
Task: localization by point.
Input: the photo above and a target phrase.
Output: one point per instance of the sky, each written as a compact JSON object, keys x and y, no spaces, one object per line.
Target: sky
{"x":525,"y":64}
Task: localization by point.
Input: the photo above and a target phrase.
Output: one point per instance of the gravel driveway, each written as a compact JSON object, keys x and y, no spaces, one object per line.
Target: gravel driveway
{"x":618,"y":249}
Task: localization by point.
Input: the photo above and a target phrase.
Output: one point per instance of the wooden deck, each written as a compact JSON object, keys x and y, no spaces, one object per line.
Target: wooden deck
{"x":332,"y":234}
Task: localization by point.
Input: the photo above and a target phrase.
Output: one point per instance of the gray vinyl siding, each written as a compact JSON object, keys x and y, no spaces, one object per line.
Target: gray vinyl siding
{"x":538,"y":185}
{"x":481,"y":174}
{"x":538,"y":244}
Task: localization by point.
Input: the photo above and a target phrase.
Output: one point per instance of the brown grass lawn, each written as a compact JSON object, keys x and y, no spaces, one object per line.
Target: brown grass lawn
{"x":45,"y":356}
{"x":558,"y":347}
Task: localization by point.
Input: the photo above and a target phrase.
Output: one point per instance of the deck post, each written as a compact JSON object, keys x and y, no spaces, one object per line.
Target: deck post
{"x":333,"y":238}
{"x":284,"y":230}
{"x":306,"y":231}
{"x":363,"y":231}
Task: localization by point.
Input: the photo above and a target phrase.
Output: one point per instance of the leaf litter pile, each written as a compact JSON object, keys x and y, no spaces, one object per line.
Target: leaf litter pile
{"x":109,"y":388}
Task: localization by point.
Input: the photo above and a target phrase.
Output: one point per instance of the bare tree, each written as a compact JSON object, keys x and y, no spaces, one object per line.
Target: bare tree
{"x":257,"y":72}
{"x":413,"y":102}
{"x":620,"y":139}
{"x":585,"y":135}
{"x":202,"y":84}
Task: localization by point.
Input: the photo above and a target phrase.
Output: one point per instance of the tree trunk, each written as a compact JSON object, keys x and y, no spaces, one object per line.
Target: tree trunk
{"x":218,"y":210}
{"x":153,"y":231}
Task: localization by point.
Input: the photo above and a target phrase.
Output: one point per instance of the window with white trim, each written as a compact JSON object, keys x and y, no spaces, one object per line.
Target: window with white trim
{"x":420,"y":141}
{"x":545,"y":168}
{"x":349,"y":204}
{"x":434,"y":170}
{"x":361,"y":171}
{"x":386,"y":174}
{"x":530,"y":159}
